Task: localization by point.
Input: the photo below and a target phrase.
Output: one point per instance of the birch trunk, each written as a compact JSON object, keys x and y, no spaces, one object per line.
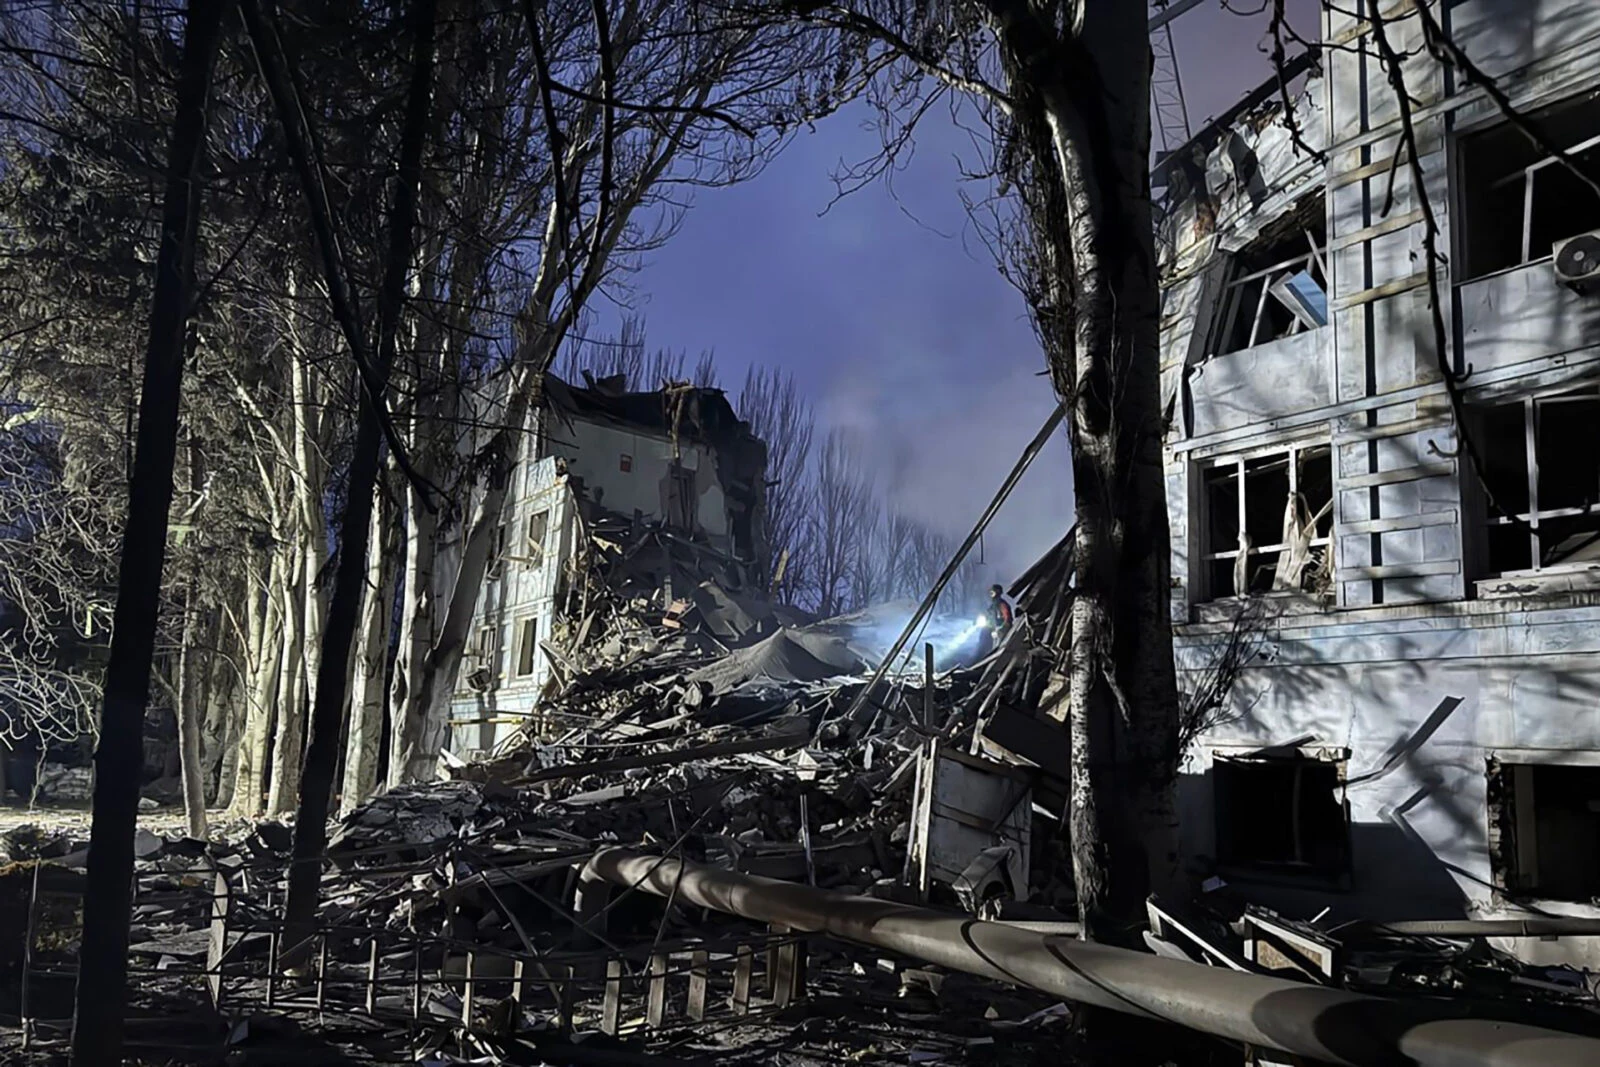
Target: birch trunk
{"x":286,"y":744}
{"x":266,"y":663}
{"x":190,"y":755}
{"x":368,"y":685}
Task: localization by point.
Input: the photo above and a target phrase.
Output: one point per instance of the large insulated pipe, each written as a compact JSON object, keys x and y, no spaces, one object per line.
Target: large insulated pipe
{"x":1329,"y":1025}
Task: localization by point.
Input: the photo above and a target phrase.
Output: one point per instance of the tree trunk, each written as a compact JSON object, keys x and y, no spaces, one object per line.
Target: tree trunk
{"x":333,"y":666}
{"x":97,"y":1029}
{"x":286,"y":744}
{"x":367,"y":688}
{"x":267,"y":639}
{"x":191,"y":756}
{"x":416,"y":635}
{"x":1083,"y":110}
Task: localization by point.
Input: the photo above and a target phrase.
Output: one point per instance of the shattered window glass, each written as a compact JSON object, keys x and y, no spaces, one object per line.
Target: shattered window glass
{"x":1274,"y":535}
{"x":1277,"y":286}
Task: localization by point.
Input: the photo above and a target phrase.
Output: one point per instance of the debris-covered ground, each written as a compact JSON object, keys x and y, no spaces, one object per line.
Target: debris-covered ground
{"x":453,"y":925}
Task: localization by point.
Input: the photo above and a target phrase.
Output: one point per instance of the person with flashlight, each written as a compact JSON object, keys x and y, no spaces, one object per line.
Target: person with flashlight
{"x":995,"y":621}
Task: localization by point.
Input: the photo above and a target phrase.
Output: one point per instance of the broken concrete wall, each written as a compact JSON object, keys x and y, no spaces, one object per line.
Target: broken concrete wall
{"x":1427,"y":608}
{"x":503,"y":674}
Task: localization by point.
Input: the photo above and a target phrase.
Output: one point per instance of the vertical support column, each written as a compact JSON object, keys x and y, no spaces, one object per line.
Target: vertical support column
{"x":656,"y":1009}
{"x":467,"y":991}
{"x":272,"y":966}
{"x":744,"y":965}
{"x":322,"y":972}
{"x":566,"y":992}
{"x":217,"y":947}
{"x":611,"y":1012}
{"x":927,"y":685}
{"x":780,"y":980}
{"x":372,"y":976}
{"x":699,"y":980}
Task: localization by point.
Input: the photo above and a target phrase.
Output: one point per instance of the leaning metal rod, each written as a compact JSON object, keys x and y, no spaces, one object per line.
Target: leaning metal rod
{"x":1023,"y":463}
{"x":1317,"y":1022}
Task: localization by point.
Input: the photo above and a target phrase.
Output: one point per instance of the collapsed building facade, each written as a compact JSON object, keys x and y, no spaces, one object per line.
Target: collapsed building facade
{"x":1416,"y":733}
{"x":675,"y":466}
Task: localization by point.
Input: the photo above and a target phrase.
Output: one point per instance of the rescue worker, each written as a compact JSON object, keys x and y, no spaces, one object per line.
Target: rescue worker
{"x":996,"y":619}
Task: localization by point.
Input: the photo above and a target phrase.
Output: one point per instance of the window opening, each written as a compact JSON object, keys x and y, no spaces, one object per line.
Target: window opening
{"x":538,"y":528}
{"x":1282,"y":815}
{"x":683,"y":498}
{"x":1269,"y":522}
{"x":1518,"y":202}
{"x":1277,"y":287}
{"x":1541,"y":461}
{"x":497,"y":551}
{"x":481,"y":657}
{"x":1547,"y":822}
{"x":527,"y":646}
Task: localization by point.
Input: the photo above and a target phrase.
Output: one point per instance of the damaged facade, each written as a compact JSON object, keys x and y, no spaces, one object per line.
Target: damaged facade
{"x":1417,"y":734}
{"x":676,"y":466}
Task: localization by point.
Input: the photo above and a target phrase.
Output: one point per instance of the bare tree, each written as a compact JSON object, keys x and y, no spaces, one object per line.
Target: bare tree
{"x":778,"y":414}
{"x":1063,"y":86}
{"x":102,"y":968}
{"x":639,"y":99}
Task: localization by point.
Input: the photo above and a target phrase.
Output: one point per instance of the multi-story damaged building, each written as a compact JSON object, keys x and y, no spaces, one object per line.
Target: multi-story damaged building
{"x":1417,"y":732}
{"x":677,"y":465}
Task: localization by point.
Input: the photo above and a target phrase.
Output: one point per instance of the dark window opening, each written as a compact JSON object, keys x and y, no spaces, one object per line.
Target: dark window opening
{"x":1516,"y":201}
{"x":497,"y":551}
{"x":538,"y":529}
{"x":1277,"y":286}
{"x":483,"y":670}
{"x":683,"y":498}
{"x":1541,"y":463}
{"x":527,"y":646}
{"x":1547,"y":830}
{"x":1282,"y":816}
{"x":1274,"y":535}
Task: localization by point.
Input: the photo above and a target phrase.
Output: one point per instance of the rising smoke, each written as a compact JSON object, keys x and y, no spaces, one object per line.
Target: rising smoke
{"x":939,"y":445}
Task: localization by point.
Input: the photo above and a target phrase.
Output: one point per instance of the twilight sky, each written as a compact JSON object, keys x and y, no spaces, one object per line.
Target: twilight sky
{"x":888,"y":309}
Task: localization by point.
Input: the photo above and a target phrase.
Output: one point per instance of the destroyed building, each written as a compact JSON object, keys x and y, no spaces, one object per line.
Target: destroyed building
{"x":1416,"y":732}
{"x":676,"y":467}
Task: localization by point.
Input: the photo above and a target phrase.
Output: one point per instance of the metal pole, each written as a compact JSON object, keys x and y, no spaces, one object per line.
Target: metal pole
{"x":1329,"y":1025}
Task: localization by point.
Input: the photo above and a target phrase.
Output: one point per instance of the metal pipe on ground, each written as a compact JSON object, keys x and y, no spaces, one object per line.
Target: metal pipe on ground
{"x":1537,"y":926}
{"x":1328,"y":1025}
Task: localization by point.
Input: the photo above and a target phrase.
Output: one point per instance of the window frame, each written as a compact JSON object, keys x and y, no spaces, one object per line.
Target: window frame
{"x":1530,"y":405}
{"x":1538,"y":110}
{"x":535,"y":547}
{"x":1237,"y":461}
{"x":525,"y":624}
{"x":1231,"y":302}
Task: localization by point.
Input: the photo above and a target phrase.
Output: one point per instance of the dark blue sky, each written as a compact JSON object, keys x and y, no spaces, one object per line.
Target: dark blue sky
{"x":889,"y":310}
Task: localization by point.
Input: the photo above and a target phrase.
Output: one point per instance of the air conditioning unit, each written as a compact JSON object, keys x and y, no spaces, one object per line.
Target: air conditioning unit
{"x":480,"y":680}
{"x":1577,"y":261}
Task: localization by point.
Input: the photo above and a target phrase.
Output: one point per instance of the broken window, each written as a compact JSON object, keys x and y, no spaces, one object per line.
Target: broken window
{"x":1284,"y":815}
{"x":482,"y":673}
{"x":1547,"y":829}
{"x":1268,"y":519}
{"x":527,"y":646}
{"x":1540,"y":462}
{"x":1277,"y":286}
{"x":497,"y":551}
{"x":538,"y":528}
{"x":1516,"y":201}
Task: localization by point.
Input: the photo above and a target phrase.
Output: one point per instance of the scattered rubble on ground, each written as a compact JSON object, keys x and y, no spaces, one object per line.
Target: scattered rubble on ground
{"x":705,"y":725}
